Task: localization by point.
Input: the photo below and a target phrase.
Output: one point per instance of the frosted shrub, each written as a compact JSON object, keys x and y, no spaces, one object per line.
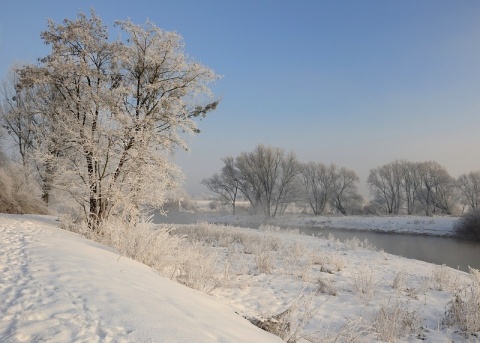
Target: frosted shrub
{"x":393,"y":320}
{"x":198,"y":269}
{"x":294,"y":259}
{"x":442,"y":278}
{"x":364,"y":282}
{"x":464,"y":309}
{"x":156,"y":248}
{"x":399,"y":280}
{"x":318,"y":258}
{"x":326,"y":286}
{"x":337,"y":261}
{"x":263,"y":260}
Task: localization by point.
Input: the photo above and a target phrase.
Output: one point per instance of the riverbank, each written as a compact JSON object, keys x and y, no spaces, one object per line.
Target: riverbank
{"x":420,"y":225}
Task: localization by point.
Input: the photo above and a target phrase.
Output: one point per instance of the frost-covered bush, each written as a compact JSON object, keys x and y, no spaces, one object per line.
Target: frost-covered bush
{"x":464,"y":309}
{"x":395,"y":319}
{"x":442,"y":278}
{"x":326,"y":286}
{"x":364,"y":282}
{"x":468,"y":226}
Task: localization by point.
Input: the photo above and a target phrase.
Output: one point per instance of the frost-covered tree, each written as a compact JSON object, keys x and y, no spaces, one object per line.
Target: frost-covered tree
{"x":119,"y":108}
{"x":345,"y":195}
{"x":437,"y":188}
{"x":411,"y":183}
{"x":385,"y":183}
{"x":318,"y":180}
{"x":268,"y":178}
{"x":469,"y":186}
{"x":227,"y":183}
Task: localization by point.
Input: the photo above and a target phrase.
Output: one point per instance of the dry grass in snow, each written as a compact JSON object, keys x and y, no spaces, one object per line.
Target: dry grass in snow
{"x":310,"y":289}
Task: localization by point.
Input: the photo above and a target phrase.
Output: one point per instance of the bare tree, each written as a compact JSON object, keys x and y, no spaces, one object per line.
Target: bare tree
{"x":437,"y":188}
{"x":15,"y":116}
{"x":318,"y":182}
{"x":385,"y":183}
{"x":469,"y":186}
{"x":268,"y":178}
{"x":345,"y":191}
{"x":119,"y":110}
{"x":227,"y":183}
{"x":412,"y":183}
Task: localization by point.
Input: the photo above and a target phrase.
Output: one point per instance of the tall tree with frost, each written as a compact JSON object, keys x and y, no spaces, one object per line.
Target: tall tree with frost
{"x":120,"y":111}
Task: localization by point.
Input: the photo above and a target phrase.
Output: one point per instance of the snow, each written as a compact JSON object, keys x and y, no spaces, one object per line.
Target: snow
{"x":56,"y":286}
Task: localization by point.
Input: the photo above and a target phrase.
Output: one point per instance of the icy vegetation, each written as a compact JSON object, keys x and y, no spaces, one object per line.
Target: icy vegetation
{"x":57,"y":286}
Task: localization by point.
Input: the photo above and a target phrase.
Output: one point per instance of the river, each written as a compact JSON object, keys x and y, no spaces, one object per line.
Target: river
{"x":453,"y":252}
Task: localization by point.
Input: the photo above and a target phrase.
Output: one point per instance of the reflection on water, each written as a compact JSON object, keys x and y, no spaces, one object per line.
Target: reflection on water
{"x":453,"y":252}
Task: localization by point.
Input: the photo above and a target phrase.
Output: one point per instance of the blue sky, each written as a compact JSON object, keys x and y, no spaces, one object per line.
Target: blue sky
{"x":357,"y":83}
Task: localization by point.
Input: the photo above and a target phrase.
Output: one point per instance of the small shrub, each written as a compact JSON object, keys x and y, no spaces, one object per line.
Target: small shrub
{"x":337,"y":261}
{"x":468,"y":226}
{"x":442,"y":278}
{"x":399,"y":281}
{"x":364,"y":282}
{"x":263,"y":260}
{"x":394,"y":320}
{"x":326,"y":286}
{"x":464,"y":309}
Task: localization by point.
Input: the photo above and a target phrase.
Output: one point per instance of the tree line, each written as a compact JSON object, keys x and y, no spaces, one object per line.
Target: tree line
{"x":271,"y":179}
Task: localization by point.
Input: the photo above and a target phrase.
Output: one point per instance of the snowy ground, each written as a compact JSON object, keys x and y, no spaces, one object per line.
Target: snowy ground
{"x":56,"y":286}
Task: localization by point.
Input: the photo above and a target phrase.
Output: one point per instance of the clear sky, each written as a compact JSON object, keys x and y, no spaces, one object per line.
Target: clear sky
{"x":357,"y":83}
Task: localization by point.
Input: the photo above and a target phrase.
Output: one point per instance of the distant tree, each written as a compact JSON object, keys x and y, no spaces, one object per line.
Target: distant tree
{"x":119,"y":109}
{"x":469,"y":186}
{"x":345,"y":194}
{"x":437,"y":188}
{"x":12,"y":114}
{"x":385,"y":183}
{"x":21,"y":115}
{"x":227,"y":183}
{"x":411,"y":183}
{"x":318,"y":181}
{"x":268,"y":178}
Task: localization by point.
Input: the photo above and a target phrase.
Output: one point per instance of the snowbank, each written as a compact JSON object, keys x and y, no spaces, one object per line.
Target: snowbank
{"x":56,"y":286}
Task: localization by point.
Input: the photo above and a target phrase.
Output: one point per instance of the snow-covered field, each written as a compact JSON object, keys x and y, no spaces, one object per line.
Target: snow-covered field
{"x":56,"y":286}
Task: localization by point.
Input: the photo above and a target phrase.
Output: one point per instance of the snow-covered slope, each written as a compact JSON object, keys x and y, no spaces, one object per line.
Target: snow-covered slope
{"x":56,"y":286}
